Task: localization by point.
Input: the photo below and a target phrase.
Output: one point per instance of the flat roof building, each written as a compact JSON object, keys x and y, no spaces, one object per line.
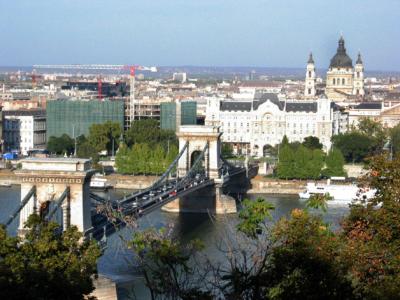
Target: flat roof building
{"x":75,"y":117}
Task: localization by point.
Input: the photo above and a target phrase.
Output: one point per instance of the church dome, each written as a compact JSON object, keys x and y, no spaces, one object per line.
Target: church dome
{"x":341,"y":59}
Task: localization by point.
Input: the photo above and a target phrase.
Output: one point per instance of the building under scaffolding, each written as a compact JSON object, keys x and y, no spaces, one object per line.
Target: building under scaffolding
{"x":75,"y":117}
{"x":171,"y":120}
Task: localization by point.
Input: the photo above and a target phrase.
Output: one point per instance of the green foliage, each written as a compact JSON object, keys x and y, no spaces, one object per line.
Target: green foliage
{"x":334,"y":164}
{"x":285,"y":140}
{"x":365,"y":140}
{"x":304,"y":262}
{"x":395,"y":139}
{"x":253,"y":215}
{"x":318,"y":201}
{"x":372,"y":234}
{"x":226,"y":150}
{"x":166,"y":265}
{"x":47,"y":264}
{"x":354,"y":146}
{"x":299,"y":162}
{"x":141,"y":159}
{"x":101,"y":136}
{"x":148,"y":131}
{"x":312,"y":142}
{"x":61,"y":145}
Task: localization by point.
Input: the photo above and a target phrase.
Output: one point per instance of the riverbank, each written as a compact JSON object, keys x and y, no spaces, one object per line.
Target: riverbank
{"x":263,"y":185}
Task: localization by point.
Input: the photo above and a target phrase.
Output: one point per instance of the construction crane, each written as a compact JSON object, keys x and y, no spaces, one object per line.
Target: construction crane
{"x":132,"y":70}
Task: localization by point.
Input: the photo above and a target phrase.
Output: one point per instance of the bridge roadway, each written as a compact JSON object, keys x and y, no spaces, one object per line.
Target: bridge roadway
{"x":141,"y":204}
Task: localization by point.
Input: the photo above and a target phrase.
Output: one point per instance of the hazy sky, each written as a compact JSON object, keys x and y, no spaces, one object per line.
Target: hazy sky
{"x":262,"y":33}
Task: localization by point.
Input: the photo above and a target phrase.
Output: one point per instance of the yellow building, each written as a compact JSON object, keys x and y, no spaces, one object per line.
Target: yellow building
{"x":342,"y":79}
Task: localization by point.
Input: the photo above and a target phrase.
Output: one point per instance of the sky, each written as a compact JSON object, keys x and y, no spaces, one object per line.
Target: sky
{"x":258,"y":33}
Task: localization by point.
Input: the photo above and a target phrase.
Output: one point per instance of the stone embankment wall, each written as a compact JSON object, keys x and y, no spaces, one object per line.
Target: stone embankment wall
{"x":262,"y":185}
{"x":130,"y":182}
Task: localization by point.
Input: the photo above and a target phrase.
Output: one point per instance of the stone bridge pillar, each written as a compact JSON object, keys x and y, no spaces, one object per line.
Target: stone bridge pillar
{"x":198,"y":137}
{"x":210,"y":198}
{"x":52,"y":176}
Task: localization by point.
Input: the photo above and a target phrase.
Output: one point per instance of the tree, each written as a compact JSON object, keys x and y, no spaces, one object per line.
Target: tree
{"x":286,"y":159}
{"x":285,"y":141}
{"x":334,"y":164}
{"x":299,"y":162}
{"x":395,"y":139}
{"x":312,"y":142}
{"x":101,"y":136}
{"x":375,"y":131}
{"x":253,"y":215}
{"x":61,"y":145}
{"x":148,"y":131}
{"x":166,"y":265}
{"x":354,"y":146}
{"x":226,"y":150}
{"x":372,"y":234}
{"x":305,"y":261}
{"x":47,"y":264}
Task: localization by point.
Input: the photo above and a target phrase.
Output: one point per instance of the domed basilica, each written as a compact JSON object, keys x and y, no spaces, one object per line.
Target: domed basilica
{"x":343,"y":80}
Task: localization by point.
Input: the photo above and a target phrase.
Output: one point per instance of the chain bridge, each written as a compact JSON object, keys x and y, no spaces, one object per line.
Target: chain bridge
{"x":198,"y":180}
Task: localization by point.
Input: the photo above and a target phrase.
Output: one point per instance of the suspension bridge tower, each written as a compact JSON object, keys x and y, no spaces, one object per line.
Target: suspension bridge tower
{"x":54,"y":187}
{"x":209,"y":199}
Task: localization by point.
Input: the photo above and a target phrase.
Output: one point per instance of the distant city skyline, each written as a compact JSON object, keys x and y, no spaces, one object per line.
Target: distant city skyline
{"x":254,"y":33}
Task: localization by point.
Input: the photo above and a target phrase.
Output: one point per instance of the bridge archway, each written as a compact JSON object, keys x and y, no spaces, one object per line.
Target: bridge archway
{"x":197,"y":137}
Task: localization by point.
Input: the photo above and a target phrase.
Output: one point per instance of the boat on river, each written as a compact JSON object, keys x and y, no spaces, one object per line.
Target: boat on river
{"x":99,"y":183}
{"x":339,"y":193}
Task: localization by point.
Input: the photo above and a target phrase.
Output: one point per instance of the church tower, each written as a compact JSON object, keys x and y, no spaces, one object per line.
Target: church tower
{"x":340,"y":75}
{"x":309,"y":89}
{"x":358,"y":88}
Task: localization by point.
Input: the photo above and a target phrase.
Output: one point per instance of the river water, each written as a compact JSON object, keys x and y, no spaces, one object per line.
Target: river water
{"x":116,"y":261}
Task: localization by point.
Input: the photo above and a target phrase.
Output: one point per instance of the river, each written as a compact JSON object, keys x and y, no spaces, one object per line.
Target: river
{"x":115,"y":261}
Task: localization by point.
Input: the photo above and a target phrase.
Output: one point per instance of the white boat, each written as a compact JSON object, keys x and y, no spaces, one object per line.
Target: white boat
{"x":100,"y":183}
{"x":340,"y":193}
{"x":5,"y":184}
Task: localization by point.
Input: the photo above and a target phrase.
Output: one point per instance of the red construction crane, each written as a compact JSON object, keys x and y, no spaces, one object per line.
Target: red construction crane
{"x":132,"y":70}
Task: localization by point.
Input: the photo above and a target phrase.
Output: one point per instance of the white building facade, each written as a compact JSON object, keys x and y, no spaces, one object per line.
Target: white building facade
{"x":251,"y":126}
{"x":24,"y":130}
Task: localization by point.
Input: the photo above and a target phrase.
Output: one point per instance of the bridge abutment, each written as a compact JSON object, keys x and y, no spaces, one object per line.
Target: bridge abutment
{"x":51,"y":177}
{"x":209,"y":199}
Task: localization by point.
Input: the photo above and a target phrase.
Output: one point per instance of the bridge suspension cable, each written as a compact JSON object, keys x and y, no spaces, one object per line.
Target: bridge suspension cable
{"x":24,"y":201}
{"x":58,"y":203}
{"x":156,"y":184}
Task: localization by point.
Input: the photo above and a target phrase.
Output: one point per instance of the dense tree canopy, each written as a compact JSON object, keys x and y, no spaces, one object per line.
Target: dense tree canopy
{"x":61,"y":145}
{"x":299,"y":162}
{"x":354,"y":145}
{"x":101,"y":136}
{"x":367,"y":139}
{"x":312,"y":142}
{"x":395,"y":139}
{"x":148,"y":131}
{"x":141,"y":159}
{"x":226,"y":150}
{"x":334,"y":164}
{"x":47,"y":264}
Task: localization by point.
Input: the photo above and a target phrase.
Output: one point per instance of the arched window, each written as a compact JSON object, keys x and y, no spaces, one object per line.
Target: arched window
{"x":343,"y":81}
{"x":309,"y":91}
{"x":309,"y":73}
{"x":358,"y":74}
{"x":334,"y":81}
